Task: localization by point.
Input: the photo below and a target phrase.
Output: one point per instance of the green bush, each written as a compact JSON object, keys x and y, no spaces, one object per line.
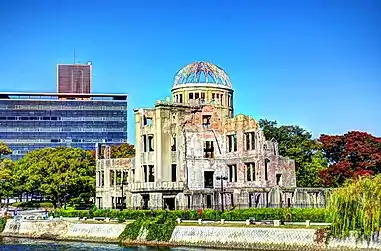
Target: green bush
{"x":159,"y":228}
{"x":70,"y":213}
{"x":3,"y":222}
{"x":286,"y":214}
{"x":33,"y":204}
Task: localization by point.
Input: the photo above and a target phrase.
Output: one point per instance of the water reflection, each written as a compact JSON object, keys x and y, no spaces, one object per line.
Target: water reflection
{"x":42,"y":245}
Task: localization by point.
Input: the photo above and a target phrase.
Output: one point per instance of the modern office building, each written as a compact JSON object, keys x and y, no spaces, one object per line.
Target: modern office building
{"x":30,"y":121}
{"x":74,"y":78}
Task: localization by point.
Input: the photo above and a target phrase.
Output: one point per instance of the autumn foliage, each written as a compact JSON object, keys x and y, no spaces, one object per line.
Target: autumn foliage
{"x":350,"y":155}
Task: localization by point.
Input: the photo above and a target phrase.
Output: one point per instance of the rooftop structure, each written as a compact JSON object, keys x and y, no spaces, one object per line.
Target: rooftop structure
{"x":74,"y":78}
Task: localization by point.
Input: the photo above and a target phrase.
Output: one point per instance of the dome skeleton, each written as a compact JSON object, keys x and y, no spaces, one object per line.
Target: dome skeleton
{"x":202,"y":72}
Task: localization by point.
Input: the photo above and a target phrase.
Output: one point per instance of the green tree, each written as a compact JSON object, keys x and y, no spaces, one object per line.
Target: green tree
{"x":356,"y":207}
{"x":59,"y":174}
{"x":4,"y":149}
{"x":6,"y":179}
{"x":124,"y":150}
{"x":296,"y":143}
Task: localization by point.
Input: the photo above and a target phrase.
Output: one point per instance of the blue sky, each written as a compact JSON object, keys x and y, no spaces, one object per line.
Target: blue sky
{"x":316,"y":64}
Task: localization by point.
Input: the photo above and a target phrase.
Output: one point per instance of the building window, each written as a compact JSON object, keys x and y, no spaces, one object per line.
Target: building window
{"x":196,"y":95}
{"x":173,"y":145}
{"x":150,"y":143}
{"x":250,"y":171}
{"x":267,"y":161}
{"x":279,"y":179}
{"x":208,"y":149}
{"x":249,"y":141}
{"x":151,"y":174}
{"x":222,"y":99}
{"x":144,"y":139}
{"x":174,"y":172}
{"x":180,"y":98}
{"x":147,"y":121}
{"x":145,"y":173}
{"x":208,"y":179}
{"x":232,"y":143}
{"x":233,"y":173}
{"x":191,"y":95}
{"x":206,"y":120}
{"x":202,"y":95}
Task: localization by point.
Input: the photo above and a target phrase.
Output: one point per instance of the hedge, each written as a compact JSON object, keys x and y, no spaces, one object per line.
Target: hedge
{"x":293,"y":214}
{"x":33,"y":204}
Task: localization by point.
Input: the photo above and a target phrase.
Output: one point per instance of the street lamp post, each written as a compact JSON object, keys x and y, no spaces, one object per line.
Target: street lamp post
{"x":122,"y":188}
{"x":222,"y":178}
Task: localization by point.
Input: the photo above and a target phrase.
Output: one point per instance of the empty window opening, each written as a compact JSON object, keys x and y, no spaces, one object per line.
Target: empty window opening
{"x":232,"y":199}
{"x":249,"y":141}
{"x":288,"y":202}
{"x":191,"y":95}
{"x":279,"y":179}
{"x":250,"y":171}
{"x":196,"y":95}
{"x":218,"y":97}
{"x":202,"y":95}
{"x":174,"y":172}
{"x":206,"y":119}
{"x":102,"y":178}
{"x":169,"y":203}
{"x":151,"y":175}
{"x":173,"y":145}
{"x":208,"y":149}
{"x":233,"y":173}
{"x":150,"y":143}
{"x":232,"y":143}
{"x":209,"y":201}
{"x":230,"y":100}
{"x":147,"y":121}
{"x":145,"y":173}
{"x":222,"y":99}
{"x":145,"y":201}
{"x":213,"y":96}
{"x":144,"y":139}
{"x":267,"y":161}
{"x":189,"y":201}
{"x":208,"y":179}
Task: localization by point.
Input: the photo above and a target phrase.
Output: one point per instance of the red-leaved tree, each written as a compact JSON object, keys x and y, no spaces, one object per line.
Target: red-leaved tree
{"x":350,"y":155}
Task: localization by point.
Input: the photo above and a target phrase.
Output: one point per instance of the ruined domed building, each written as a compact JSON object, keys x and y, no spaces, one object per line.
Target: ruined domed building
{"x":193,"y":152}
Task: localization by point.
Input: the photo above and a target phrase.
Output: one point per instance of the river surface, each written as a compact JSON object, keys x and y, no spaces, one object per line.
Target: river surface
{"x":16,"y":244}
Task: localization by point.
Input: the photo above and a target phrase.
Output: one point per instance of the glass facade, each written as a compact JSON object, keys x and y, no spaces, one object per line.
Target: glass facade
{"x":31,"y":122}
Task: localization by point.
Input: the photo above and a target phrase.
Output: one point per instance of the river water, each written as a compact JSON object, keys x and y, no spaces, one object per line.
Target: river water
{"x":21,"y":244}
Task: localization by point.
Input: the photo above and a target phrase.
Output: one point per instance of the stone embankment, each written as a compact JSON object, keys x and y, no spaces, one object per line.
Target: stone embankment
{"x":252,"y":238}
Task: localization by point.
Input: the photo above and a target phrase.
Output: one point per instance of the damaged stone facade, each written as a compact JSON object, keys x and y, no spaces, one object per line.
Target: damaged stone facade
{"x":192,"y":152}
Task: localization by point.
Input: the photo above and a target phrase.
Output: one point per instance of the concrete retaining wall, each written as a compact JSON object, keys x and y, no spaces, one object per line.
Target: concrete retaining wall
{"x":64,"y":230}
{"x":256,"y":238}
{"x":263,"y":239}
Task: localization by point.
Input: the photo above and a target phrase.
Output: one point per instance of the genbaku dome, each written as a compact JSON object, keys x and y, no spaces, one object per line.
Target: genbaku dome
{"x":192,"y":151}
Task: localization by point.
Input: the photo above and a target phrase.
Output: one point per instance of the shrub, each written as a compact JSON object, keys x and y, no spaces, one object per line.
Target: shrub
{"x":159,"y":228}
{"x":3,"y":222}
{"x":286,"y":214}
{"x":33,"y":204}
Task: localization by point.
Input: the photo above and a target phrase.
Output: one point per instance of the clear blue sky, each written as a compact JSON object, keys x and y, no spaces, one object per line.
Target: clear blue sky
{"x":312,"y":63}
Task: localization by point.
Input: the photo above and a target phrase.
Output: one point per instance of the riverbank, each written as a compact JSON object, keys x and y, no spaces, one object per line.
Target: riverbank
{"x":242,"y":238}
